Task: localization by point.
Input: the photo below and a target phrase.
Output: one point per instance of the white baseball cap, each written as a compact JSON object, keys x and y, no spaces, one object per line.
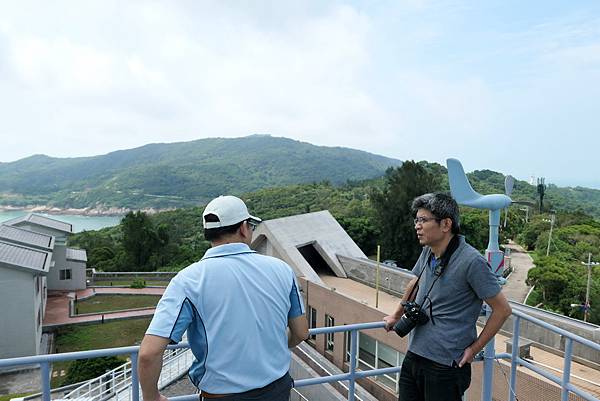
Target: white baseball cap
{"x":229,"y":210}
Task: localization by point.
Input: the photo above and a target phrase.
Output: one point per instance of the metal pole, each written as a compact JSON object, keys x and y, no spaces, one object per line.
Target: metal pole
{"x":514,"y":363}
{"x":45,"y":372}
{"x":550,"y":236}
{"x":489,"y":355}
{"x":353,"y":353}
{"x":135,"y":383}
{"x":566,"y":369}
{"x":377,"y":278}
{"x":587,"y":291}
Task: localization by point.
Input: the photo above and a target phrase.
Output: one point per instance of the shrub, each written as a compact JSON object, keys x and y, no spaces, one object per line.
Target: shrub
{"x":86,"y":369}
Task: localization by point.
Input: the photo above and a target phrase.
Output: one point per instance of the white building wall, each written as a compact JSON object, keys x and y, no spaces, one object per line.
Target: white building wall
{"x":59,"y":257}
{"x":21,"y":334}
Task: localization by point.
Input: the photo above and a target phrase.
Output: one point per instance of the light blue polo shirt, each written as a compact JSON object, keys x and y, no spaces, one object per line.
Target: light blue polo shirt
{"x":235,"y":305}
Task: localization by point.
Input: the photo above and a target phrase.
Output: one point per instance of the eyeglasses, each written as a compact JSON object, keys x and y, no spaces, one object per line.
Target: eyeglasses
{"x":423,"y":220}
{"x":252,"y":224}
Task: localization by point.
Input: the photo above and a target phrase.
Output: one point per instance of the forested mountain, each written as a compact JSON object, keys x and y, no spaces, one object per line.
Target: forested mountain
{"x":181,"y":174}
{"x":191,"y":173}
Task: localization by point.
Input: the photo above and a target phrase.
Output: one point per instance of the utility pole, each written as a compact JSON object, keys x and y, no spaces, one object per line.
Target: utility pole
{"x":589,"y":265}
{"x":552,"y":217}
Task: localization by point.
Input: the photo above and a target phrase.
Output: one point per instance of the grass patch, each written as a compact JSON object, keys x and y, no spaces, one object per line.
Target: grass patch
{"x":127,"y":283}
{"x":9,"y":396}
{"x":102,"y":303}
{"x":121,"y":333}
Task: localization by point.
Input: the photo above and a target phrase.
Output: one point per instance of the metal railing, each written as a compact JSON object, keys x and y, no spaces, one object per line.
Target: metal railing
{"x":111,"y":384}
{"x":564,"y":381}
{"x":353,"y":374}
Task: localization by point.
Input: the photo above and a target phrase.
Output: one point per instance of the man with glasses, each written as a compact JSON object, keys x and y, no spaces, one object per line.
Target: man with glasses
{"x":452,"y":280}
{"x":242,"y":312}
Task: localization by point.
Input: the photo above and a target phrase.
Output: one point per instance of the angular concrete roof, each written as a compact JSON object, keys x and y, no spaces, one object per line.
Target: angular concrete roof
{"x":20,"y":236}
{"x":78,"y":255}
{"x":282,"y":238}
{"x":22,"y":258}
{"x":41,"y":221}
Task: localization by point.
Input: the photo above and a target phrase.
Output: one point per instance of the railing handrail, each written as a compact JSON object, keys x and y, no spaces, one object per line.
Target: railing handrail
{"x":557,"y":330}
{"x":351,"y":376}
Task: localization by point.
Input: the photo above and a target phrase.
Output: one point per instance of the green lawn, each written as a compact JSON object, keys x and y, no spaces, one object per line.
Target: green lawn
{"x":9,"y":396}
{"x":121,"y":333}
{"x":127,"y":283}
{"x":106,"y":303}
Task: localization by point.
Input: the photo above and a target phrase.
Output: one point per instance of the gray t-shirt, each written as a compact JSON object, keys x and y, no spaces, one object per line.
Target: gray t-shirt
{"x":456,"y":300}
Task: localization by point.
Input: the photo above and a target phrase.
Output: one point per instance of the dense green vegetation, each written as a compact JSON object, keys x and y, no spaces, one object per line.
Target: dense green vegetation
{"x":560,"y":278}
{"x":373,"y":212}
{"x":181,"y":174}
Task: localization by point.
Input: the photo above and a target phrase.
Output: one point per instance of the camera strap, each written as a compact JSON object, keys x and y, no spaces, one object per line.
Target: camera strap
{"x":439,"y":270}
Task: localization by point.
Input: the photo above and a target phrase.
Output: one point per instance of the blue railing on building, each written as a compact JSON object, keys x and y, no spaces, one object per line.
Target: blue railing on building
{"x":352,"y":375}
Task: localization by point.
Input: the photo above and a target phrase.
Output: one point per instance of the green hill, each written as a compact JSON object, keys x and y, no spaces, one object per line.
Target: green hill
{"x":181,"y":174}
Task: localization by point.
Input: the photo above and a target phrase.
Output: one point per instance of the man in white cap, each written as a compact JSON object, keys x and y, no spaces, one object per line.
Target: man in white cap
{"x":236,"y":306}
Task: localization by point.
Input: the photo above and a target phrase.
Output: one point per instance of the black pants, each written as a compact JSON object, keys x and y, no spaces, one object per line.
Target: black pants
{"x":279,"y":390}
{"x":421,"y":379}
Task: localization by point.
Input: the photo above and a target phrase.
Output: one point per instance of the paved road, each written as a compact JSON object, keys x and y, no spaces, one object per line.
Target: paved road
{"x":516,"y":289}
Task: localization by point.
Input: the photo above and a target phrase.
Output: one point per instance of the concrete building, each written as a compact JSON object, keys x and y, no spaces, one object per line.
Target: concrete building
{"x":34,"y":259}
{"x":22,"y":293}
{"x":309,"y":243}
{"x":68,"y":271}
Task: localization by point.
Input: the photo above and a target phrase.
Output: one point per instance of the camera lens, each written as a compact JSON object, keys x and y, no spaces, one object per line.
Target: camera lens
{"x":404,"y":326}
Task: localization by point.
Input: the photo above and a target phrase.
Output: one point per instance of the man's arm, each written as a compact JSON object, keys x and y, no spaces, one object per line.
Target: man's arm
{"x":298,"y":330}
{"x":150,"y":362}
{"x":501,"y":310}
{"x":391,"y":320}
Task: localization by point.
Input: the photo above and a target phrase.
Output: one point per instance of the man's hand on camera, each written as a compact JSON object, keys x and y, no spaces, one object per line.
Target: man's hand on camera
{"x":390,"y":321}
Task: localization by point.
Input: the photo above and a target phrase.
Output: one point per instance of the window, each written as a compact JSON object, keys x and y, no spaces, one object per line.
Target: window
{"x":373,"y":354}
{"x":64,"y":274}
{"x":312,"y":321}
{"x":329,"y":322}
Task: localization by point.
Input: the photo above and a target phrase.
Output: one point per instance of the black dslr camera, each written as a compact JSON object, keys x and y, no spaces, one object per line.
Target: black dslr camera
{"x":413,"y":315}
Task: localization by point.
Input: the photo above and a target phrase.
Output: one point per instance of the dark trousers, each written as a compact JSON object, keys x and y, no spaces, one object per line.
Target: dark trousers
{"x":421,"y":379}
{"x":279,"y":390}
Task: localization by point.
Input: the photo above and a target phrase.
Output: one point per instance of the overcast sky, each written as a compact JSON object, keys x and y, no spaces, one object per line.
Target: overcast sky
{"x":512,"y":86}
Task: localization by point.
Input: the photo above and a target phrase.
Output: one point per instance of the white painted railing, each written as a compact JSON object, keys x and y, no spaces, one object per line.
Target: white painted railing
{"x":116,"y":384}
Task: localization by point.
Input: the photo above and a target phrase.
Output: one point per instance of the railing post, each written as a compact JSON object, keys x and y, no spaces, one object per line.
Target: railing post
{"x":353,"y":358}
{"x":45,"y":372}
{"x":135,"y":384}
{"x":567,"y":369}
{"x":514,"y":363}
{"x":489,"y":355}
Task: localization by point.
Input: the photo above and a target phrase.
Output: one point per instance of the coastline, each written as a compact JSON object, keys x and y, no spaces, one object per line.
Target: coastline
{"x":88,"y":211}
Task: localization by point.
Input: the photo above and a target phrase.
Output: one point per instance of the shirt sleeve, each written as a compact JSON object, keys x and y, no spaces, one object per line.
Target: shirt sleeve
{"x":482,"y":280}
{"x":296,"y":301}
{"x":173,"y":314}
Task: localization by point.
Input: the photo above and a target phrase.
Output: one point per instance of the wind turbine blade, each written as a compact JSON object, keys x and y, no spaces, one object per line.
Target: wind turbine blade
{"x":509,"y":183}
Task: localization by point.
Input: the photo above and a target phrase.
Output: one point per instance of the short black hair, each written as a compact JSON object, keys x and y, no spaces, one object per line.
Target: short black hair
{"x":215,"y":234}
{"x":441,"y":205}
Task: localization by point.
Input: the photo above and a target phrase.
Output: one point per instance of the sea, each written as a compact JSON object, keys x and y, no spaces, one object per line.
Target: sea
{"x":80,"y":223}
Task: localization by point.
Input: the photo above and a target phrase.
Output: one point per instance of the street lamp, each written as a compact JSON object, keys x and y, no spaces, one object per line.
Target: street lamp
{"x":589,"y":265}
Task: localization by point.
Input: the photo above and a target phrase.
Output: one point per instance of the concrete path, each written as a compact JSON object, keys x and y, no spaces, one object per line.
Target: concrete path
{"x":516,"y":289}
{"x":57,"y":308}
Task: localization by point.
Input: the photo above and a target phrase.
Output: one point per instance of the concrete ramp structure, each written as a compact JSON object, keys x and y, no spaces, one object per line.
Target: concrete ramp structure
{"x":310,"y":243}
